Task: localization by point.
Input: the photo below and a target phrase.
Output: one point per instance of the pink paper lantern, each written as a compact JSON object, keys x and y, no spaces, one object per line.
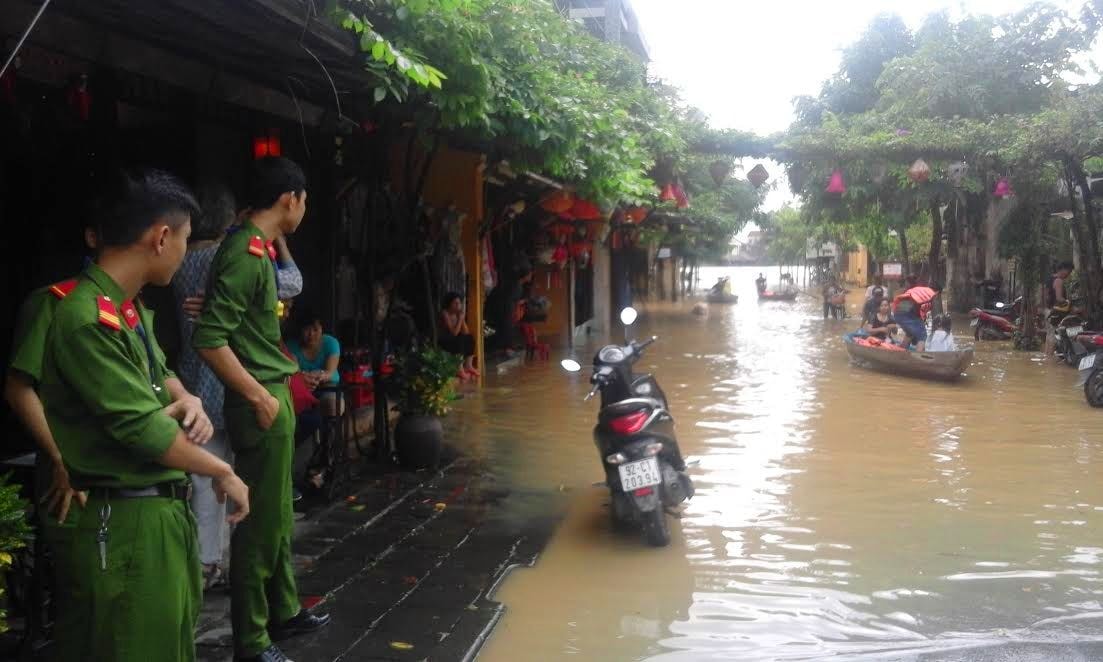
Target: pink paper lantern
{"x":836,"y":185}
{"x":1003,"y":189}
{"x":680,"y":197}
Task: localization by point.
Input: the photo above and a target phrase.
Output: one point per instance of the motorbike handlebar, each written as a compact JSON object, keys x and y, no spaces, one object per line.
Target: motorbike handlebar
{"x":592,"y":393}
{"x":647,"y":342}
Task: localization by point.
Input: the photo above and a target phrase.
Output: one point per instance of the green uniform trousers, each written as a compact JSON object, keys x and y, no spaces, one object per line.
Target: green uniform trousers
{"x":145,"y":604}
{"x":262,"y":579}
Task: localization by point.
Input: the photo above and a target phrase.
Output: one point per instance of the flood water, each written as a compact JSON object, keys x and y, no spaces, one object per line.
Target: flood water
{"x":840,"y":513}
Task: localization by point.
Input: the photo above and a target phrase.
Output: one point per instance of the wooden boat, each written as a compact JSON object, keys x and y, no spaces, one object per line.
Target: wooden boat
{"x":768,"y":295}
{"x":927,"y":365}
{"x":720,"y":297}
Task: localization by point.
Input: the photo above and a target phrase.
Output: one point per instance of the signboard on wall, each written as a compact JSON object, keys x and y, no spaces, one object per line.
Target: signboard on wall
{"x":663,"y":254}
{"x":892,"y":270}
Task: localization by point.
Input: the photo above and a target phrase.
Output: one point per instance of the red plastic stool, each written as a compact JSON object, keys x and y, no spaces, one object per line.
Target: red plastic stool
{"x":533,"y":347}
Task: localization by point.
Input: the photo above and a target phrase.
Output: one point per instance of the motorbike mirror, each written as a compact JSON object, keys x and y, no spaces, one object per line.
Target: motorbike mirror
{"x":628,"y":316}
{"x":1000,"y":304}
{"x":570,"y":365}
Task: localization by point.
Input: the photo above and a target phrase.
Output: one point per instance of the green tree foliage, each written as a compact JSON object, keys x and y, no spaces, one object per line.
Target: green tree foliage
{"x":991,"y":91}
{"x":522,"y":80}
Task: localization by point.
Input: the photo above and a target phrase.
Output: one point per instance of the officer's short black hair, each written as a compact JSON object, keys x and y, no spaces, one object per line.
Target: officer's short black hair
{"x":270,"y":178}
{"x":1066,"y":266}
{"x":135,"y":200}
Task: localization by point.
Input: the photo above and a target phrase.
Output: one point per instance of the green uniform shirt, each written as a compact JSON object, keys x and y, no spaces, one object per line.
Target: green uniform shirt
{"x":29,"y":342}
{"x":240,"y":307}
{"x":103,"y":400}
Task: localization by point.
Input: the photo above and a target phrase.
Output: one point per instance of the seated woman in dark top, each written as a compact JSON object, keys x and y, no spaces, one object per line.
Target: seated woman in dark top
{"x":881,"y":323}
{"x":454,"y":336}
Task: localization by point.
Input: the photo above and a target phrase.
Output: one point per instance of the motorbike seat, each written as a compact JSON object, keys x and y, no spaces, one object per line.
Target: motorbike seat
{"x":625,"y":407}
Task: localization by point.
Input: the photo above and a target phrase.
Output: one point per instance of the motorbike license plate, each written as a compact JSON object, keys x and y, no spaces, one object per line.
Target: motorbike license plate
{"x":643,"y":473}
{"x":1088,"y":362}
{"x":1074,"y":331}
{"x":974,"y":322}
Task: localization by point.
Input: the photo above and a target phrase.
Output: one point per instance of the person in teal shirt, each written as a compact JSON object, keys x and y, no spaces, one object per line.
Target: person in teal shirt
{"x":318,"y":355}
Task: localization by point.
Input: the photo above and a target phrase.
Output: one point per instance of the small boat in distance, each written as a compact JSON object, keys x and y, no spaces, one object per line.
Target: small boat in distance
{"x":721,"y":292}
{"x":720,"y":297}
{"x":784,"y":295}
{"x":947,"y":366}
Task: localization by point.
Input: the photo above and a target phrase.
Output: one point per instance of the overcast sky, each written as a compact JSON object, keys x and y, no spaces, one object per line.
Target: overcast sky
{"x":743,"y":61}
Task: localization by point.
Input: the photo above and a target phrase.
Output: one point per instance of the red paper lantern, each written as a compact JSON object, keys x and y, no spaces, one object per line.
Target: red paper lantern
{"x":584,"y":210}
{"x":560,"y":256}
{"x":836,"y":185}
{"x":680,"y":197}
{"x":1003,"y":189}
{"x":79,"y":98}
{"x":636,"y":214}
{"x":267,"y":145}
{"x":667,"y":194}
{"x":557,"y":202}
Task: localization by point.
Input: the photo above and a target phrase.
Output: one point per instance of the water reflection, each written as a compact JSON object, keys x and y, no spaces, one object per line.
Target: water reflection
{"x":840,"y":511}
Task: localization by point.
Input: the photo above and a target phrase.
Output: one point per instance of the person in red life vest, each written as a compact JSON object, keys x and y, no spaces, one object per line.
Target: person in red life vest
{"x":911,"y":307}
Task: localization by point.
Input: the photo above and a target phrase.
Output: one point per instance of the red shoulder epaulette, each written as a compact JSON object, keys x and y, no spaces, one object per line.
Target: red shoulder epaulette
{"x":62,"y":289}
{"x":260,"y":247}
{"x":256,"y":247}
{"x":108,"y":314}
{"x":130,"y":314}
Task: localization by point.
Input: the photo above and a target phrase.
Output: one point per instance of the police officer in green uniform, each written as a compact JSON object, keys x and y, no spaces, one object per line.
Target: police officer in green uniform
{"x":238,"y":335}
{"x":53,"y":488}
{"x":127,"y":566}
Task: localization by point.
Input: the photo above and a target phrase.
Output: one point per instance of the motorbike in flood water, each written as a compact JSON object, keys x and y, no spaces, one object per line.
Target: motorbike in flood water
{"x":1091,"y":367}
{"x":634,"y":435}
{"x":996,"y":323}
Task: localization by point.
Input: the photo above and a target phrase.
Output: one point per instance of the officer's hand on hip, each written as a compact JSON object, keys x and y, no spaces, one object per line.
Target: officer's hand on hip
{"x":60,"y":496}
{"x":189,"y":411}
{"x":229,"y":486}
{"x":266,"y":409}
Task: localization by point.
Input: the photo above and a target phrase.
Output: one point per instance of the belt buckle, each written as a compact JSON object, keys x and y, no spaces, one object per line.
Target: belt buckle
{"x":181,"y":491}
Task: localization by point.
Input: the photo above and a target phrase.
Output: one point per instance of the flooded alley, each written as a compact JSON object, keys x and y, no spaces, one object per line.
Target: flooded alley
{"x":839,"y":512}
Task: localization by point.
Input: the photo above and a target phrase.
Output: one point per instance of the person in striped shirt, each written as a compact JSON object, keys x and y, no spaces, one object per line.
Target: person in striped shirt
{"x":910,"y":308}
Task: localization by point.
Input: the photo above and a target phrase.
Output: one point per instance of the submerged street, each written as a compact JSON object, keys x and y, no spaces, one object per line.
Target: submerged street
{"x":839,"y":512}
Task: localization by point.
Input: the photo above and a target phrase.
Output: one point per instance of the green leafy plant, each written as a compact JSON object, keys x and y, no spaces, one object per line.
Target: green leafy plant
{"x":14,"y":530}
{"x":424,"y":381}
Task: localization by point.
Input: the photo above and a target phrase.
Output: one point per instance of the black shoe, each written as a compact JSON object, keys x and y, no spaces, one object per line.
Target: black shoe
{"x":302,"y":623}
{"x":296,"y":494}
{"x":270,"y":654}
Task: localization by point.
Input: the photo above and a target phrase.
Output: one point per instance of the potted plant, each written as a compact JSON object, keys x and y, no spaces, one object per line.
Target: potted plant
{"x":14,"y":532}
{"x":424,"y":383}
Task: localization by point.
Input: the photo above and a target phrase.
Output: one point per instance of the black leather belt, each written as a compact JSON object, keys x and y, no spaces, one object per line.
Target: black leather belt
{"x":179,"y":491}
